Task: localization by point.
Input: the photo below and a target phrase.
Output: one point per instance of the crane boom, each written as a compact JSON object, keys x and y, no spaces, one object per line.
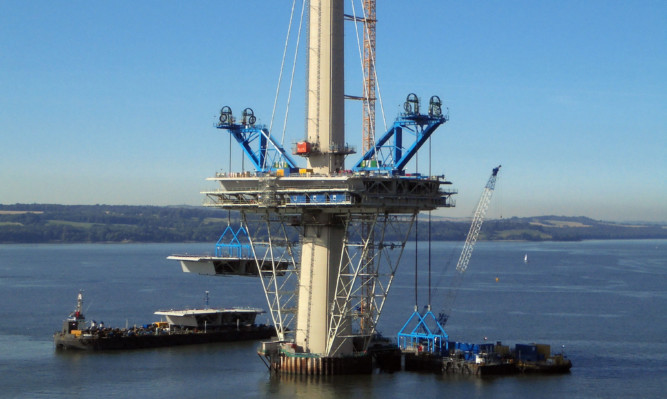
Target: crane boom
{"x":477,"y":221}
{"x":469,"y":245}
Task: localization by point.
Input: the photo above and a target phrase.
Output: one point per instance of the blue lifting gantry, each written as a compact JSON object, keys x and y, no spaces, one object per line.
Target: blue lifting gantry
{"x":423,"y":332}
{"x":387,"y":156}
{"x":270,"y":155}
{"x":233,"y":248}
{"x":393,"y":157}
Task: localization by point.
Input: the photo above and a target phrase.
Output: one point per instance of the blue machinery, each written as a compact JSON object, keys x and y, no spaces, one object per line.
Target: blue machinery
{"x":268,"y":155}
{"x":232,"y":247}
{"x":427,"y":334}
{"x":387,"y":155}
{"x":392,"y":157}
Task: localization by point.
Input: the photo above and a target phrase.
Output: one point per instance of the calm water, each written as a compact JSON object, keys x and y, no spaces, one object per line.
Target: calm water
{"x":605,"y":301}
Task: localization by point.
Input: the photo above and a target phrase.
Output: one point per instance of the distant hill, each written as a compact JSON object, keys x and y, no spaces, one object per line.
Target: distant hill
{"x":46,"y":223}
{"x":37,"y":223}
{"x":562,"y":228}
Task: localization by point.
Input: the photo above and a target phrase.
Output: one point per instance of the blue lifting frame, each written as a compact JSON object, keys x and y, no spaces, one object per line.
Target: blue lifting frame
{"x":270,"y":155}
{"x":392,"y":157}
{"x":232,"y":248}
{"x":427,"y":333}
{"x":387,"y":156}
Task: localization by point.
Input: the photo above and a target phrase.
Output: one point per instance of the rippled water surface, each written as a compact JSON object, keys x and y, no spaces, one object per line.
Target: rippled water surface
{"x":604,"y":302}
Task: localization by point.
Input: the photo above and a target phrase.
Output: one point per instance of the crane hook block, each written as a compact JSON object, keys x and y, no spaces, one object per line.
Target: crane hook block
{"x":435,"y":106}
{"x":411,"y":104}
{"x":249,"y":117}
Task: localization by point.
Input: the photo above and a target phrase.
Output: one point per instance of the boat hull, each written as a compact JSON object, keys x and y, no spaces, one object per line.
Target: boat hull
{"x":97,"y":342}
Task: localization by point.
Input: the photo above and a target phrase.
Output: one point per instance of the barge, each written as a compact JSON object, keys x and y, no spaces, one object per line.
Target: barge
{"x":487,"y":359}
{"x":182,"y":327}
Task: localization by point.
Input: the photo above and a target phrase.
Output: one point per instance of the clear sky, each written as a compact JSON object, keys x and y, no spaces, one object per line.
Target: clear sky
{"x":115,"y":102}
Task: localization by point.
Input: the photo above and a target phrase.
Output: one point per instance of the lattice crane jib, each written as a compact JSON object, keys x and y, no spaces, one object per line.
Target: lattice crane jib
{"x":469,"y":245}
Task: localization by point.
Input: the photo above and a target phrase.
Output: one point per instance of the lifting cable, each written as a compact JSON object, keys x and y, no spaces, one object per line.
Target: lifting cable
{"x":453,"y":288}
{"x":282,"y":66}
{"x":417,"y":239}
{"x":429,"y":230}
{"x":416,"y":261}
{"x":282,"y":69}
{"x":416,"y":244}
{"x":291,"y":83}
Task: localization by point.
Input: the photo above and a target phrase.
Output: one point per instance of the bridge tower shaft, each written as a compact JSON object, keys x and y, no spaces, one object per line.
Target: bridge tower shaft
{"x":323,"y":233}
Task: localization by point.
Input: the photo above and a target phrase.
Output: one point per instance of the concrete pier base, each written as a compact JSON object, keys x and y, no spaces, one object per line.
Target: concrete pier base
{"x":315,"y":365}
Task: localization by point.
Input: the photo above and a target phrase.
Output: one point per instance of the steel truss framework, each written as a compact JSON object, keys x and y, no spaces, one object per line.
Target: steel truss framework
{"x":274,"y":240}
{"x":393,"y":157}
{"x":375,"y":214}
{"x":268,"y":154}
{"x":364,"y":277}
{"x":372,"y":250}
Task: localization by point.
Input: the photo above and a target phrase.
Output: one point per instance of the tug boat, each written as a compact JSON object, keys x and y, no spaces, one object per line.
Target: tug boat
{"x":183,"y":327}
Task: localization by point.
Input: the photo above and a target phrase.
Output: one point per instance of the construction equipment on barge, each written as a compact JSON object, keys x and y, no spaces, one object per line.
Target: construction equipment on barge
{"x":488,"y":359}
{"x":426,"y":346}
{"x":182,"y":327}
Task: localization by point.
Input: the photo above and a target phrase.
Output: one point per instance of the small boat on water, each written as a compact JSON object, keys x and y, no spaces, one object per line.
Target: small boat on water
{"x":525,"y":258}
{"x":183,"y":327}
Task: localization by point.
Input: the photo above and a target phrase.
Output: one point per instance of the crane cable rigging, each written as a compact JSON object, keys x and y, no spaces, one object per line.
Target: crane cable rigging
{"x":282,"y":67}
{"x":294,"y":62}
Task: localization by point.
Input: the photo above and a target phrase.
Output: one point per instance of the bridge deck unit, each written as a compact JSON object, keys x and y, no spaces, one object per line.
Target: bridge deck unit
{"x":226,"y":266}
{"x":332,"y":194}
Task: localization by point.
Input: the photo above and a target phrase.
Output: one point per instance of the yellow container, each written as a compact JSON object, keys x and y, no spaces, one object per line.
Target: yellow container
{"x":502,"y":349}
{"x":280,"y":172}
{"x":544,"y":350}
{"x":76,"y":333}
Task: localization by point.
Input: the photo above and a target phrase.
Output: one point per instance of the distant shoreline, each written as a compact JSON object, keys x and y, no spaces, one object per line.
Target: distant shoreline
{"x":118,"y":224}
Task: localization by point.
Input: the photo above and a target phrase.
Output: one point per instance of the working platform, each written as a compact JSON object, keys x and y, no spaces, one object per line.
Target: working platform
{"x":360,"y":192}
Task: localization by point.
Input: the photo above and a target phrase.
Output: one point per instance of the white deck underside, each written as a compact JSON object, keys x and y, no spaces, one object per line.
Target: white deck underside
{"x":210,"y":317}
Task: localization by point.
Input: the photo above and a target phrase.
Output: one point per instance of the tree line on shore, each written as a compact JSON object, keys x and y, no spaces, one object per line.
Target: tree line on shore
{"x":49,"y":223}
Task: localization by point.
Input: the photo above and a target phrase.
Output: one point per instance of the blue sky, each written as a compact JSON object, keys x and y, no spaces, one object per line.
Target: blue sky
{"x":114,"y":102}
